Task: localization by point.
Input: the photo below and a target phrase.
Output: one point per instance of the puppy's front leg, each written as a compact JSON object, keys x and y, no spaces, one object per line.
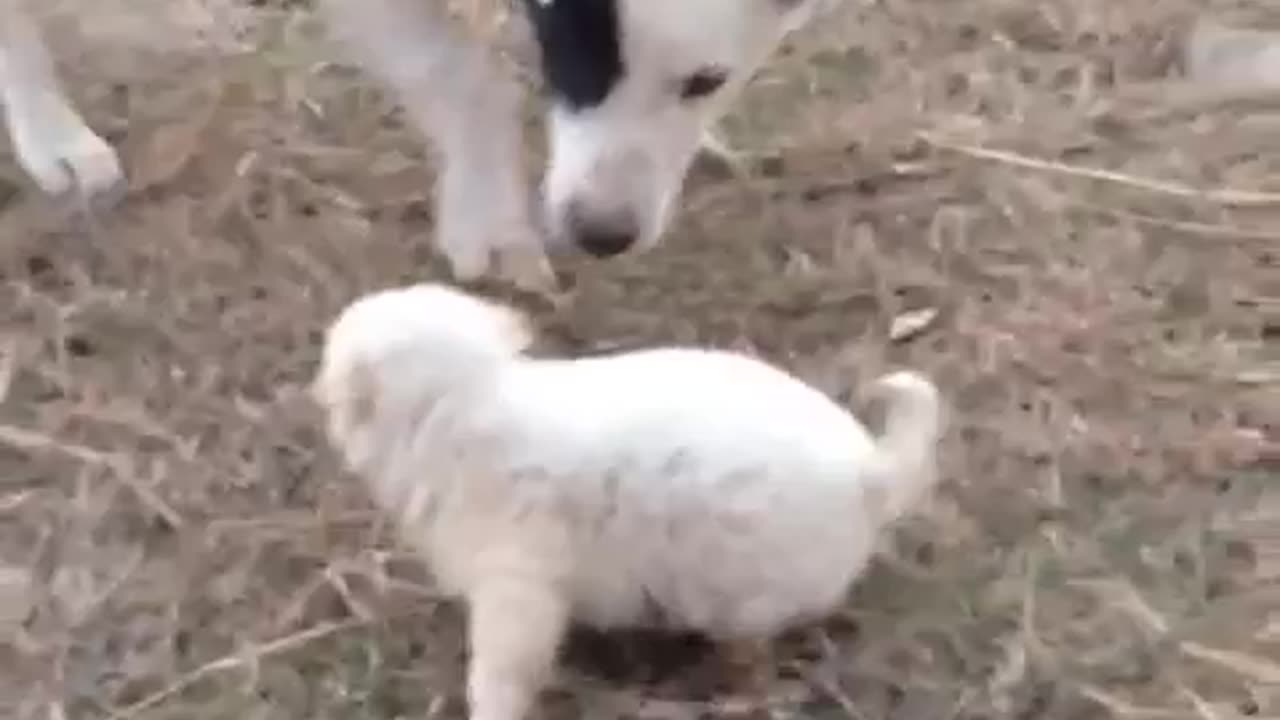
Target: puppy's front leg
{"x":515,"y":630}
{"x":457,"y":97}
{"x":52,"y":142}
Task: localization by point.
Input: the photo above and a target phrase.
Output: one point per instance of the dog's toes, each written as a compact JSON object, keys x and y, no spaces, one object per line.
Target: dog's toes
{"x":468,"y":262}
{"x":45,"y":166}
{"x":528,"y":268}
{"x":77,"y":162}
{"x":99,"y":175}
{"x":515,"y":257}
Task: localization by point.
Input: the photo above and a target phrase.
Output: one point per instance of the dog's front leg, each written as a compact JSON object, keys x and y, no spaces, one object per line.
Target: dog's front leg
{"x":457,"y":97}
{"x":52,"y":142}
{"x":515,"y":630}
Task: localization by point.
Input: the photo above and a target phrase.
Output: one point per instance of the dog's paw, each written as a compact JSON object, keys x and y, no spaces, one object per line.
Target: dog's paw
{"x":511,"y":251}
{"x":75,"y":159}
{"x":526,"y":266}
{"x":469,"y":259}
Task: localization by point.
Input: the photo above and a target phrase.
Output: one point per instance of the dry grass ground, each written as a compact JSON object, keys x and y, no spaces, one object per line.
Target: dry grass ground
{"x":1101,"y":248}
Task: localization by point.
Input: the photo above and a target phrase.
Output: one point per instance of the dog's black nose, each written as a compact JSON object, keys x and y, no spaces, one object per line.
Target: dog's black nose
{"x":605,"y":242}
{"x":602,"y":237}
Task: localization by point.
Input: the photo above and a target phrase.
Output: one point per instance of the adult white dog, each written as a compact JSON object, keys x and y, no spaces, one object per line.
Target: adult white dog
{"x":679,"y":488}
{"x":635,"y":86}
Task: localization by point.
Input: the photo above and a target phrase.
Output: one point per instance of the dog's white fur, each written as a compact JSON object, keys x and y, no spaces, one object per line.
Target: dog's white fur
{"x":624,"y":160}
{"x":671,"y":487}
{"x":621,"y":163}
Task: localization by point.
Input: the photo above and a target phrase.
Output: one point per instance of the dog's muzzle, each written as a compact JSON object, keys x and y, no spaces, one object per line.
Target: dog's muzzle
{"x":601,"y":235}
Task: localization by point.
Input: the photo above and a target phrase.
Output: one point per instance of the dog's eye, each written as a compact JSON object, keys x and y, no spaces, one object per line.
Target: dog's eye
{"x":702,"y":83}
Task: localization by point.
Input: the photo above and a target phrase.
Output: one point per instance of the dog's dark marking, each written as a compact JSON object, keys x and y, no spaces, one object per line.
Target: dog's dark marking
{"x":580,"y":47}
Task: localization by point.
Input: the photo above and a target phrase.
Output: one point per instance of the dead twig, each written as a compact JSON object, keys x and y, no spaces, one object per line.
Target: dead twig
{"x":232,"y":662}
{"x":1256,"y":668}
{"x":1189,"y":227}
{"x":27,"y":440}
{"x":1229,"y":197}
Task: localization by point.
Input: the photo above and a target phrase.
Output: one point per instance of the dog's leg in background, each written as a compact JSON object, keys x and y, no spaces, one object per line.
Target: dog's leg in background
{"x":457,"y":97}
{"x":515,"y":631}
{"x":52,"y":142}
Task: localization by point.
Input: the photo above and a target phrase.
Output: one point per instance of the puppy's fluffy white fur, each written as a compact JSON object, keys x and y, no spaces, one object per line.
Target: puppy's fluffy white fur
{"x":670,"y":487}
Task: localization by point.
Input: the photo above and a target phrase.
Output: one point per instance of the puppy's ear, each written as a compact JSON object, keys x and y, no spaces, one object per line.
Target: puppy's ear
{"x":516,"y":327}
{"x":361,"y":393}
{"x":350,"y":397}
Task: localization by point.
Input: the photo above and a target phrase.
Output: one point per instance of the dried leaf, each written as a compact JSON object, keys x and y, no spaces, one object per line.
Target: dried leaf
{"x":169,"y":148}
{"x":911,"y":323}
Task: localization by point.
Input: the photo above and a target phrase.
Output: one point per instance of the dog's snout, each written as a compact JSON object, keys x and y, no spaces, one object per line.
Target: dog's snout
{"x":602,"y":236}
{"x":603,"y":242}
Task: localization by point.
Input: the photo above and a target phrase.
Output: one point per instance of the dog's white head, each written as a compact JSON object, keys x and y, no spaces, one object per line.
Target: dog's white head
{"x":634,"y":83}
{"x":393,"y":354}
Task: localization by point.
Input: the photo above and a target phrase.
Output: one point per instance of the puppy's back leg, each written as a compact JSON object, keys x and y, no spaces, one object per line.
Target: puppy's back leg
{"x":516,"y":626}
{"x":52,"y":142}
{"x":457,"y":97}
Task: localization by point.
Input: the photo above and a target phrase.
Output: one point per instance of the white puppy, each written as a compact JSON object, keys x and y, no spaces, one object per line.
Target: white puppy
{"x":679,"y":488}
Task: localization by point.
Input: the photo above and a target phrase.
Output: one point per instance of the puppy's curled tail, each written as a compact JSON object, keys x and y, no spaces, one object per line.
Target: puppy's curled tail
{"x":908,"y":444}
